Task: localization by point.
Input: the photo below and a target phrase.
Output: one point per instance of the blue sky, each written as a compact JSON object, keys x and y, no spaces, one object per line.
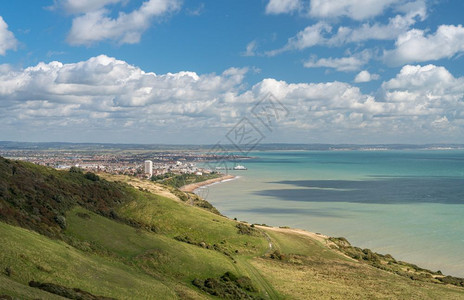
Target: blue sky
{"x":172,"y":71}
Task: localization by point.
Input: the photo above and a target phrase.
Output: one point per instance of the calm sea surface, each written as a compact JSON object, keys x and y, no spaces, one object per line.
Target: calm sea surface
{"x":406,"y":203}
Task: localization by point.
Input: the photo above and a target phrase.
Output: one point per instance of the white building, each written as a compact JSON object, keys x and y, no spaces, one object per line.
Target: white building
{"x":149,"y":167}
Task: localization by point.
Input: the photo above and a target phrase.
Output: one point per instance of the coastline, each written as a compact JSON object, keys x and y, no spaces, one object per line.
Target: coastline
{"x":190,"y":188}
{"x":344,"y":247}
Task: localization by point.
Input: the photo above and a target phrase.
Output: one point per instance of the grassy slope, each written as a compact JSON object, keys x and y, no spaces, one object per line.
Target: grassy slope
{"x":34,"y":257}
{"x":20,"y":291}
{"x":159,"y":255}
{"x":113,"y":259}
{"x":312,"y":269}
{"x":178,"y":219}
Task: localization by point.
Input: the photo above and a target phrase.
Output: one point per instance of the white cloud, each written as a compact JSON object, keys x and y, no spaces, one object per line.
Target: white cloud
{"x":7,"y":38}
{"x":426,"y":91}
{"x":197,"y":11}
{"x":321,"y":33}
{"x":309,"y":37}
{"x":103,"y":97}
{"x":104,"y":84}
{"x":331,"y":9}
{"x":251,"y":49}
{"x":416,"y":46}
{"x":127,"y":28}
{"x":82,"y":6}
{"x":345,"y":64}
{"x":365,"y":76}
{"x":282,"y":6}
{"x":396,"y":26}
{"x":354,"y":9}
{"x":429,"y":79}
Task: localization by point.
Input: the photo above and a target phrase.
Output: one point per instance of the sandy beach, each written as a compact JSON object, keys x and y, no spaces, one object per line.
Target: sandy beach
{"x":192,"y":187}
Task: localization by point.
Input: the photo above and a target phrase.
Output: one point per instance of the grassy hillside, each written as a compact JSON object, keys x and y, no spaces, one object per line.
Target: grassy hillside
{"x":308,"y":267}
{"x":38,"y":198}
{"x":80,"y":236}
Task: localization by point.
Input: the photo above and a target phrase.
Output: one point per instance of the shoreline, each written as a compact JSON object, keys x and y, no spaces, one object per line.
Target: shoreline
{"x":190,"y":188}
{"x":327,"y":240}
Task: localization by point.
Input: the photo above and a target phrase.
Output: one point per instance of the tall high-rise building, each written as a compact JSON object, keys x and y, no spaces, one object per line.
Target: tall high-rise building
{"x":149,"y":167}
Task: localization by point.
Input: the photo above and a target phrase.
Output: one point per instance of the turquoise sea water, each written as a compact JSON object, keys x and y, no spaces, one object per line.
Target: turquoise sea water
{"x":406,"y":203}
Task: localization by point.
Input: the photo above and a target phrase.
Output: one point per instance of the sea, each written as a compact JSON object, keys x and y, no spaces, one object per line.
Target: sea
{"x":409,"y":204}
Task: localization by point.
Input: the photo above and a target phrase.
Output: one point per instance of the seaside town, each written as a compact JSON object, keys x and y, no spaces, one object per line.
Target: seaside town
{"x":141,"y":164}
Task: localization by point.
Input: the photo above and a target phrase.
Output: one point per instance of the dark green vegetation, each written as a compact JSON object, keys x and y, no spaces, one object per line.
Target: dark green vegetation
{"x":228,"y":286}
{"x":388,"y":263}
{"x":78,"y":235}
{"x":178,"y":180}
{"x":38,"y":198}
{"x":108,"y":238}
{"x":66,"y":292}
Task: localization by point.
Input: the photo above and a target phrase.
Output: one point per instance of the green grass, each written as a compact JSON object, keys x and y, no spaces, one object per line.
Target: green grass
{"x":121,"y":242}
{"x":35,"y":257}
{"x":310,"y":268}
{"x":177,"y":181}
{"x":292,"y":243}
{"x":155,"y":253}
{"x":20,"y":291}
{"x":178,"y":219}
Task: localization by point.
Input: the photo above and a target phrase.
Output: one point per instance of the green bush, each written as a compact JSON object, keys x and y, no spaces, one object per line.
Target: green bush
{"x":228,"y":286}
{"x":70,"y":293}
{"x":277,"y":255}
{"x":452,"y":280}
{"x":74,"y":169}
{"x":61,"y":221}
{"x":247,"y":230}
{"x":92,"y":176}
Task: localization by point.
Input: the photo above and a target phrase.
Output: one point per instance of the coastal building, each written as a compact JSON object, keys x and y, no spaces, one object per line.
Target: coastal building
{"x":148,"y":167}
{"x":240,"y":167}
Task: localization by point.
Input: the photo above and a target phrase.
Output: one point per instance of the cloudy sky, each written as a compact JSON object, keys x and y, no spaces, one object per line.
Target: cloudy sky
{"x":173,"y":71}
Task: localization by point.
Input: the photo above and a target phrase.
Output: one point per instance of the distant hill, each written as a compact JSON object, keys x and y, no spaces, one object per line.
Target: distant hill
{"x":40,"y":146}
{"x":76,"y":235}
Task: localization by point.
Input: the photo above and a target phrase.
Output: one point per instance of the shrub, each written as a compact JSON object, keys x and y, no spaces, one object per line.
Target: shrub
{"x":228,"y":286}
{"x":92,"y":176}
{"x":70,"y":293}
{"x":61,"y":221}
{"x":74,"y":169}
{"x":277,"y":255}
{"x":246,"y":229}
{"x":83,"y":215}
{"x":9,"y":271}
{"x":452,"y":280}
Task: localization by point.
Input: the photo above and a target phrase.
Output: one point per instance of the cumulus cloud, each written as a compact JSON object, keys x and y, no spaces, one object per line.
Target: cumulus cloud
{"x":103,"y":94}
{"x":417,"y":46}
{"x":114,"y":90}
{"x":354,"y":9}
{"x":365,"y":76}
{"x":377,"y":31}
{"x":345,"y":64}
{"x":429,"y":93}
{"x":282,"y":6}
{"x":7,"y":38}
{"x":127,"y":28}
{"x":82,"y":6}
{"x":322,"y":34}
{"x":434,"y":81}
{"x":358,"y":10}
{"x":311,"y":36}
